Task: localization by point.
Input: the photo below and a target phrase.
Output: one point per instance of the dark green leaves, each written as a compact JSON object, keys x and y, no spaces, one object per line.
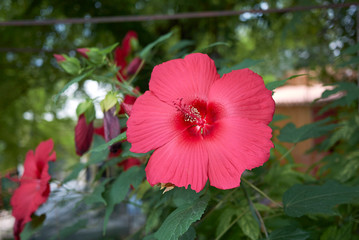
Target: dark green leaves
{"x":178,"y":222}
{"x":303,"y":199}
{"x":273,"y":85}
{"x":246,"y":63}
{"x":146,"y":51}
{"x":287,"y":233}
{"x":290,"y":133}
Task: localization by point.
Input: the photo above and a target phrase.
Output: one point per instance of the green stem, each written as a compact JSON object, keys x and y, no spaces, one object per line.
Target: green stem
{"x":288,"y":152}
{"x":260,"y":192}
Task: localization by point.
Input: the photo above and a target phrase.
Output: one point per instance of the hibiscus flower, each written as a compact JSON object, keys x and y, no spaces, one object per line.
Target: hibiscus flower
{"x":34,"y":186}
{"x":201,"y":126}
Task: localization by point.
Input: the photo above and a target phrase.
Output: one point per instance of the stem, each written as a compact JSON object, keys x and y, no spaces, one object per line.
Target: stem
{"x":262,"y":193}
{"x":261,"y":222}
{"x":288,"y":152}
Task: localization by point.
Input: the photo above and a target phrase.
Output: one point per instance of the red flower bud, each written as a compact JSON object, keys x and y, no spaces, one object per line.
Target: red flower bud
{"x":132,"y":68}
{"x":59,"y":58}
{"x":83,"y":52}
{"x":83,"y":135}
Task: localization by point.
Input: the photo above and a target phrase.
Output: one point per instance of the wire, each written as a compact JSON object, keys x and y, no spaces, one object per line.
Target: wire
{"x":142,"y":18}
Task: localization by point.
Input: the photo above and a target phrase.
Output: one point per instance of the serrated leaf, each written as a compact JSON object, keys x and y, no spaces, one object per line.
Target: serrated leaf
{"x":102,"y":147}
{"x":249,"y":226}
{"x":119,"y":189}
{"x":178,"y":222}
{"x":287,"y":233}
{"x":273,"y":85}
{"x":73,"y":228}
{"x":75,"y":80}
{"x":303,"y":199}
{"x":96,"y":195}
{"x":32,"y":227}
{"x":146,"y":51}
{"x":182,"y":196}
{"x":246,"y":63}
{"x":290,"y":133}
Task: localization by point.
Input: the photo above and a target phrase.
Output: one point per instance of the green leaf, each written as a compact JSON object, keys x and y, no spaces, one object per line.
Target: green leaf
{"x":146,"y":51}
{"x":104,"y":146}
{"x":181,"y":45}
{"x":182,"y":196}
{"x":32,"y":227}
{"x":109,"y":101}
{"x":212,"y":45}
{"x":109,"y":49}
{"x":119,"y":189}
{"x":96,"y":195}
{"x":302,"y":199}
{"x":290,"y":133}
{"x":70,"y":230}
{"x":246,"y":63}
{"x":178,"y":222}
{"x":273,"y":85}
{"x":189,"y":235}
{"x":287,"y":233}
{"x":100,"y":155}
{"x":335,"y":233}
{"x":225,"y":219}
{"x":279,"y":117}
{"x":153,"y":219}
{"x":352,"y":49}
{"x":75,"y":80}
{"x":249,"y":226}
{"x":88,"y":109}
{"x":352,"y":60}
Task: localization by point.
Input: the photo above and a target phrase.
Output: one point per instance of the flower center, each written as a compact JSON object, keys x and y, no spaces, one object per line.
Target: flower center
{"x":197,"y":116}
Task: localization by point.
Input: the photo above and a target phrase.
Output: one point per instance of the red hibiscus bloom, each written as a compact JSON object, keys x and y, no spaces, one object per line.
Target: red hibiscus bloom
{"x":83,"y":135}
{"x":34,"y":185}
{"x":201,"y":126}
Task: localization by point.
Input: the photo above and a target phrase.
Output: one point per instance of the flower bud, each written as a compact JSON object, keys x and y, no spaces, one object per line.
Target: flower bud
{"x":112,"y":127}
{"x":134,"y":65}
{"x":83,"y":135}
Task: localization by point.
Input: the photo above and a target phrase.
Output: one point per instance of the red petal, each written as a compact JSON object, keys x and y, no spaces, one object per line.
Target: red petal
{"x":244,"y":94}
{"x":151,"y":124}
{"x":182,"y":161}
{"x":236,"y":145}
{"x":186,"y":78}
